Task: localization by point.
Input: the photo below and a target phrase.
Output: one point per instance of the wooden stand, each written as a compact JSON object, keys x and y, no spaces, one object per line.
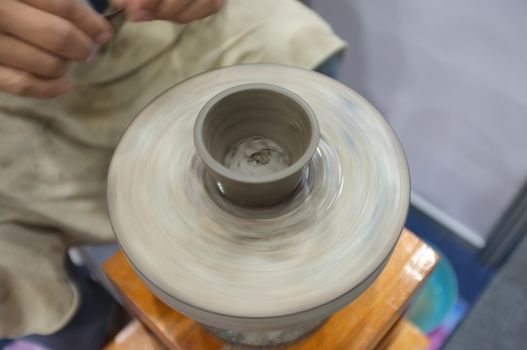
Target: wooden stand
{"x":371,"y":321}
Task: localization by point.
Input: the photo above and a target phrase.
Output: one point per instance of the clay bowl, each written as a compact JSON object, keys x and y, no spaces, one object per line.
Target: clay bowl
{"x":256,"y":141}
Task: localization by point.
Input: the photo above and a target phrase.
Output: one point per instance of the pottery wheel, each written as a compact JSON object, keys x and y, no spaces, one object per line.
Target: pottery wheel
{"x":244,"y":268}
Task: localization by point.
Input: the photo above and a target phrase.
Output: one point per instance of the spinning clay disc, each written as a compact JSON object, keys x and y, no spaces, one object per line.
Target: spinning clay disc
{"x":254,"y":268}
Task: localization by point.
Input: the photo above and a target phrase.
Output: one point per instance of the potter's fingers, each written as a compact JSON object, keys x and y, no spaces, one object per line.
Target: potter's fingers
{"x":47,"y":31}
{"x":21,"y":83}
{"x":168,"y":9}
{"x":21,"y":55}
{"x":138,"y":10}
{"x":197,"y":9}
{"x":118,"y":4}
{"x":80,"y":15}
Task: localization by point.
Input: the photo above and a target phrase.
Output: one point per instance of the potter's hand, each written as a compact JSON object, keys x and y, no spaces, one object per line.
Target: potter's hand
{"x":39,"y":37}
{"x":180,"y":11}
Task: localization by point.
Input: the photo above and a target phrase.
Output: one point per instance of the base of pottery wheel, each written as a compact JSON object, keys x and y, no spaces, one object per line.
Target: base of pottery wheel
{"x":268,"y":340}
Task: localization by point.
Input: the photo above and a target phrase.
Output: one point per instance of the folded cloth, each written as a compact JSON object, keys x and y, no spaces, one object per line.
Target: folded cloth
{"x":54,"y":155}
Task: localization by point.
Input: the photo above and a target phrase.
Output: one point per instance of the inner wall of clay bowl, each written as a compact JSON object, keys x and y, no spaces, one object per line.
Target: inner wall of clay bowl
{"x":257,"y":131}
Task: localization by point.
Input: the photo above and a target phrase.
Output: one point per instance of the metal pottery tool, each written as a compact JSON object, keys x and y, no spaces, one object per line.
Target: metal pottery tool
{"x":116,"y":17}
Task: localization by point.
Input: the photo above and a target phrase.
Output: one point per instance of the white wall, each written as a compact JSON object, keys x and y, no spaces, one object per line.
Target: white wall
{"x":451,"y":78}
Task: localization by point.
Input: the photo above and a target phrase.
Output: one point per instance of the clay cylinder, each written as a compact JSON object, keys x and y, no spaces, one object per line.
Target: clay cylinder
{"x":256,"y":141}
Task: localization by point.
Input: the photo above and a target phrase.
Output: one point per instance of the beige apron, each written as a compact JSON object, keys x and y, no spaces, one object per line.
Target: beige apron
{"x":54,"y":154}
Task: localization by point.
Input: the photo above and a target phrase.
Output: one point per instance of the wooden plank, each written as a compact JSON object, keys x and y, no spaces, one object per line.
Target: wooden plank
{"x":404,"y":336}
{"x":361,"y":325}
{"x":174,"y":330}
{"x":134,"y":336}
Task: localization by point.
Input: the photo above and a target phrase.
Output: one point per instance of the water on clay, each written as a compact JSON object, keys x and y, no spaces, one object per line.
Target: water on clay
{"x":256,"y":156}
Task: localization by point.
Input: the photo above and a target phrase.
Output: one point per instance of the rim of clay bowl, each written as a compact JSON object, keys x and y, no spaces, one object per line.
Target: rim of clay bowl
{"x":256,"y":179}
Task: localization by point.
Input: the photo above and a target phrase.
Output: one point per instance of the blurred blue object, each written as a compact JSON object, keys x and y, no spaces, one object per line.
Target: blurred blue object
{"x":436,"y":298}
{"x":330,"y":66}
{"x":5,"y":342}
{"x":99,"y":5}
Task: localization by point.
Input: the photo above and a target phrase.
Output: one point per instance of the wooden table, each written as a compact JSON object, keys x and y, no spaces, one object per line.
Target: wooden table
{"x":371,"y":321}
